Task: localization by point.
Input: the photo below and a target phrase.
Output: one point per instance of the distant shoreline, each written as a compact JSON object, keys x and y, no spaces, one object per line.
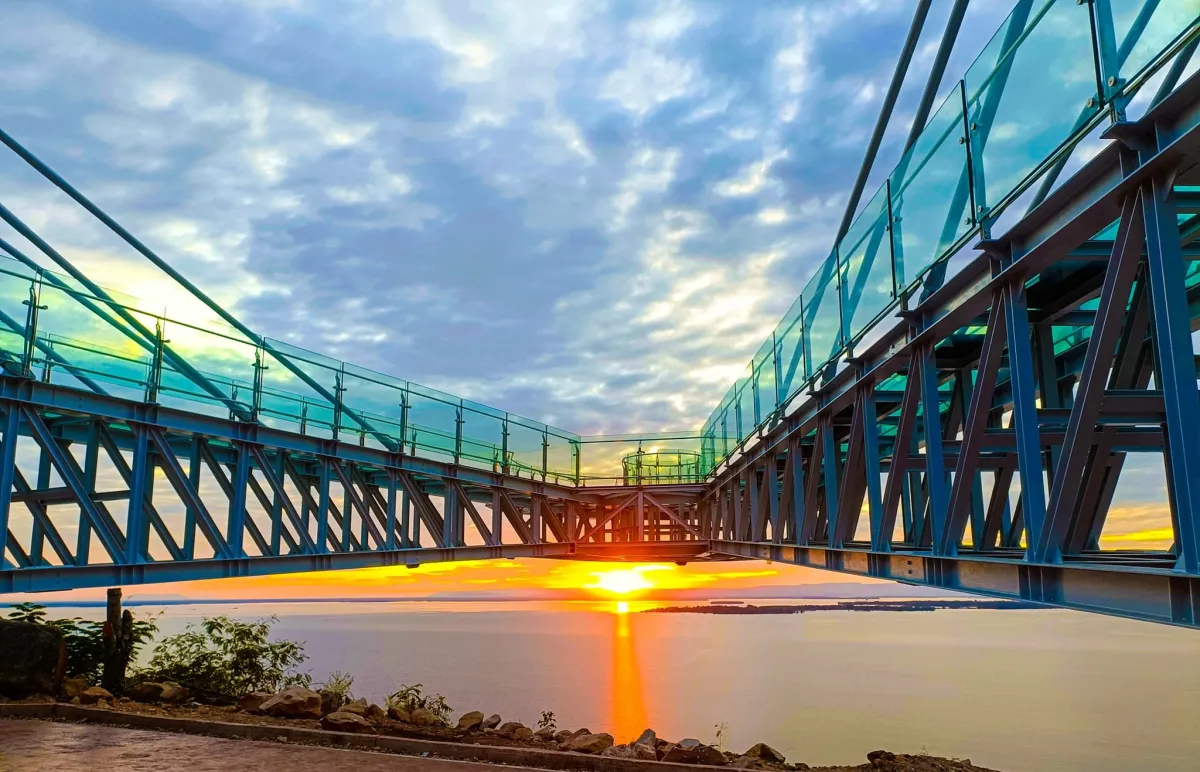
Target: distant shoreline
{"x":848,"y":605}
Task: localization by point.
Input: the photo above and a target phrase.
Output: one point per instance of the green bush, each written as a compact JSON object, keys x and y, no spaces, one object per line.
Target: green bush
{"x":85,"y":640}
{"x":412,"y":698}
{"x":338,"y":684}
{"x":221,"y":659}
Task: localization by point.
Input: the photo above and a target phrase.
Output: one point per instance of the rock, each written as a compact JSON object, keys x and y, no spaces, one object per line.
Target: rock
{"x":746,"y":762}
{"x":562,"y":734}
{"x":647,"y":737}
{"x":357,"y":707}
{"x":253,"y":702}
{"x":619,"y":751}
{"x":689,"y":743}
{"x":375,"y":713}
{"x":644,"y":752}
{"x":343,"y":721}
{"x":515,"y":730}
{"x":663,"y":748}
{"x":76,"y":700}
{"x":397,"y":713}
{"x":73,"y":687}
{"x":766,"y":753}
{"x":545,"y":733}
{"x":146,"y":691}
{"x":424,"y":717}
{"x":101,"y":703}
{"x":491,"y":722}
{"x":294,"y":702}
{"x":875,"y":756}
{"x":590,"y":743}
{"x":174,"y":693}
{"x":331,"y":702}
{"x":93,"y":694}
{"x":695,"y":754}
{"x":34,"y":661}
{"x":470,"y":722}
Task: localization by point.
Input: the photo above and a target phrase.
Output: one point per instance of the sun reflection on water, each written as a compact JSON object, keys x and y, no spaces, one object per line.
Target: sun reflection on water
{"x":627,"y":704}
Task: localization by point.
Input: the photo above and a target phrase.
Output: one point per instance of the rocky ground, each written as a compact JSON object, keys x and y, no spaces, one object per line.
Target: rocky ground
{"x":300,"y":707}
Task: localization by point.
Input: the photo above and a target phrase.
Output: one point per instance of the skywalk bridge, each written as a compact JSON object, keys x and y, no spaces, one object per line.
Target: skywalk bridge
{"x":1027,"y":273}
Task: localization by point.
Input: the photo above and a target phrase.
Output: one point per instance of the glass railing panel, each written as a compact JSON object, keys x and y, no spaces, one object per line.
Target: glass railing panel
{"x":865,"y":255}
{"x":483,"y":436}
{"x":312,"y":377}
{"x":930,"y":193}
{"x":1030,"y":90}
{"x":99,"y":340}
{"x":214,"y":363}
{"x":767,"y":397}
{"x":370,"y":393}
{"x":432,"y":424}
{"x":561,"y":453}
{"x":1142,"y":30}
{"x":525,"y":439}
{"x":14,"y":312}
{"x":789,"y":345}
{"x":822,"y":317}
{"x":744,"y":391}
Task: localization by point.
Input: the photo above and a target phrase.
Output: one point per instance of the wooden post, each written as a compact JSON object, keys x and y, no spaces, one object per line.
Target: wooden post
{"x":118,"y":643}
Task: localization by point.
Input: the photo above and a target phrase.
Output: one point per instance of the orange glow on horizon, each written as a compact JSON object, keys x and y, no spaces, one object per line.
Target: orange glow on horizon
{"x":623,"y":581}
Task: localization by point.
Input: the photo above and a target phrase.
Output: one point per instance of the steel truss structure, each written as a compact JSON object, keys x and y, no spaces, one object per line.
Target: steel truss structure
{"x":969,"y":436}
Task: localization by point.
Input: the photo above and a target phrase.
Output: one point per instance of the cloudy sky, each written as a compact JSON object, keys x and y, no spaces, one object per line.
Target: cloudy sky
{"x":591,"y":213}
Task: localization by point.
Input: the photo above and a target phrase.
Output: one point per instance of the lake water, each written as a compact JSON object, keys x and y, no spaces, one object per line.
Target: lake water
{"x":1014,"y":690}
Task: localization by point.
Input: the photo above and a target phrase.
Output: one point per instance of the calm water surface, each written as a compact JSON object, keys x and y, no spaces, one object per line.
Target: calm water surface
{"x":1015,"y":690}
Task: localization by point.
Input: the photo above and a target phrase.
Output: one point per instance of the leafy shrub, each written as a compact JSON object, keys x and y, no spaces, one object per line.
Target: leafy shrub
{"x":410,"y":698}
{"x":85,"y":640}
{"x":547,"y":721}
{"x":221,"y":659}
{"x":338,"y":683}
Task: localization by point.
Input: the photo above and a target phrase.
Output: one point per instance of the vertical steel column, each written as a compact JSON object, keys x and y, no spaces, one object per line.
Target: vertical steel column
{"x":91,"y":460}
{"x":236,"y":528}
{"x":450,"y":515}
{"x":1024,"y":412}
{"x":1176,"y":367}
{"x":37,"y":540}
{"x":136,"y":524}
{"x":535,"y":519}
{"x":323,"y":504}
{"x":935,"y":463}
{"x":390,"y":543}
{"x":277,"y":508}
{"x":830,"y":460}
{"x":497,"y":516}
{"x":189,"y":514}
{"x":407,"y":537}
{"x":8,"y":466}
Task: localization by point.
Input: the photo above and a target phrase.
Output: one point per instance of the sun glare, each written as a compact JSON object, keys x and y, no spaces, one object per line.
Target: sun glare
{"x":622,"y":581}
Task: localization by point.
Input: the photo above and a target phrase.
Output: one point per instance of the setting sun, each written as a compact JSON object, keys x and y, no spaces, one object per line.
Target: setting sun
{"x":622,"y":581}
